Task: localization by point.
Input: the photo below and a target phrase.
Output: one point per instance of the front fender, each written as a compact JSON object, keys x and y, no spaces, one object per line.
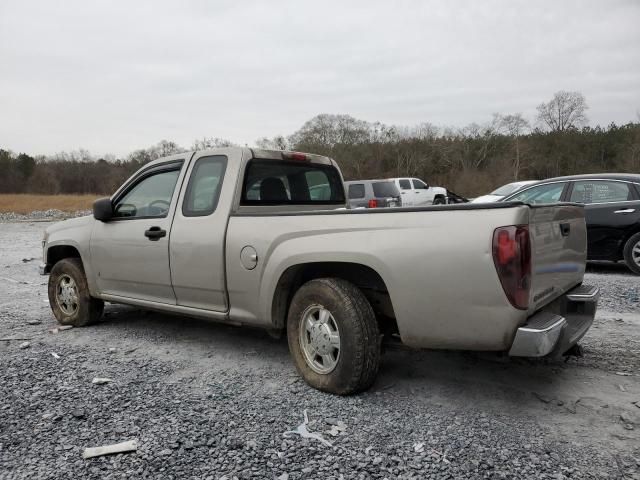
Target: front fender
{"x":74,"y":233}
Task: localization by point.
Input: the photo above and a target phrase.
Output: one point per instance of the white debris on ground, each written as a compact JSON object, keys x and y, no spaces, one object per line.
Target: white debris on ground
{"x":101,"y":380}
{"x":304,"y":432}
{"x":124,"y":447}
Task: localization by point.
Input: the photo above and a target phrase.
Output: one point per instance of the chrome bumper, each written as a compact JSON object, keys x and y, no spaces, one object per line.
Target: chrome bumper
{"x":559,"y":326}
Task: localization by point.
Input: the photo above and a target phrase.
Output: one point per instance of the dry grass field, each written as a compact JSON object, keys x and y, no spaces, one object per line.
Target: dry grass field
{"x":27,"y":203}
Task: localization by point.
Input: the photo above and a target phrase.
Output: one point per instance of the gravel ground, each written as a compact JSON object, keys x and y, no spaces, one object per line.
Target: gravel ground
{"x":209,"y":401}
{"x":41,"y":215}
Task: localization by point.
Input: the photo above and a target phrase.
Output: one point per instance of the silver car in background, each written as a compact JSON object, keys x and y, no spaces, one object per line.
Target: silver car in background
{"x":373,"y":194}
{"x":501,"y":192}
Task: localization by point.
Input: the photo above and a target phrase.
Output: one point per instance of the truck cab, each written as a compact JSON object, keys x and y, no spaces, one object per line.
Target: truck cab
{"x":416,"y":193}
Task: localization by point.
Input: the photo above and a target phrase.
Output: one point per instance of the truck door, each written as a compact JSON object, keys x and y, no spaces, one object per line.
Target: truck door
{"x":423,"y":194}
{"x":611,"y":211}
{"x":196,"y":247}
{"x":130,"y":252}
{"x":406,"y":192}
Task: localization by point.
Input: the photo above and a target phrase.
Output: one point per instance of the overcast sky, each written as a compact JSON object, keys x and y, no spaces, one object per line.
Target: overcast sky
{"x":115,"y":76}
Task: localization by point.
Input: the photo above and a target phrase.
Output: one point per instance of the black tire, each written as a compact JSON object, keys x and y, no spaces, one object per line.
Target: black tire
{"x":632,"y":244}
{"x":83,"y":309}
{"x":439,"y":200}
{"x":359,"y":338}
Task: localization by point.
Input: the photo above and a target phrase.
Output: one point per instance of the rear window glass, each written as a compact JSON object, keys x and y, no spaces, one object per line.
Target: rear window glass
{"x":356,"y":190}
{"x":385,"y":189}
{"x":269,"y":182}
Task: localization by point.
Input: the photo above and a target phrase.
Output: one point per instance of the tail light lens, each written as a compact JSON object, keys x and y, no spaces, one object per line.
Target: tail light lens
{"x":512,"y":258}
{"x":373,"y":203}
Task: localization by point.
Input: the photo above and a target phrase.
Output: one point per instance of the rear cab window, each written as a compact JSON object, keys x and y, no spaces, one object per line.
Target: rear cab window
{"x":282,"y":182}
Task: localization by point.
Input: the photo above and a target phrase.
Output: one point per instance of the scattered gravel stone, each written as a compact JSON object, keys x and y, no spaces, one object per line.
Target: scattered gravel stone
{"x":475,"y":419}
{"x":24,"y":345}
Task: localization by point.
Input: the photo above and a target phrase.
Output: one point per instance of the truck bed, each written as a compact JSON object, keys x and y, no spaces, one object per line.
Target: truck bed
{"x":436,"y":263}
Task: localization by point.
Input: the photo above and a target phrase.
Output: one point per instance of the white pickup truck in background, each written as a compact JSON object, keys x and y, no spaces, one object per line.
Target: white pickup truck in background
{"x":416,"y":193}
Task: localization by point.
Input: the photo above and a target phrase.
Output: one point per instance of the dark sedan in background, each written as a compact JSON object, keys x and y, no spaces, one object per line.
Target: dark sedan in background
{"x":612,"y":211}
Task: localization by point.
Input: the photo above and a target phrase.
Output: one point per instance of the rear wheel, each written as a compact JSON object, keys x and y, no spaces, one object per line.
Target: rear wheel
{"x":632,"y":253}
{"x":333,"y":336}
{"x":69,"y":295}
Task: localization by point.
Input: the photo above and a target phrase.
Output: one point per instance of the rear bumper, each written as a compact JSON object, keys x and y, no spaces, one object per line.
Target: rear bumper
{"x":558,"y":326}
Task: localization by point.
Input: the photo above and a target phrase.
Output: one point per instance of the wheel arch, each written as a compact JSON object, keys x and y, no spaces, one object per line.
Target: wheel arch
{"x":56,"y":253}
{"x":366,"y":278}
{"x":626,"y":239}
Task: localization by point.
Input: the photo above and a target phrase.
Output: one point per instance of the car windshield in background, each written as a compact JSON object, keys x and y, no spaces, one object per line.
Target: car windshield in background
{"x":385,"y":189}
{"x":269,"y":182}
{"x":506,"y":189}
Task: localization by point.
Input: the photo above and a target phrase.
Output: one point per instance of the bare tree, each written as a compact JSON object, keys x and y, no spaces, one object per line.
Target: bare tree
{"x":565,"y":111}
{"x":211,"y":142}
{"x":279,"y":142}
{"x":514,"y":125}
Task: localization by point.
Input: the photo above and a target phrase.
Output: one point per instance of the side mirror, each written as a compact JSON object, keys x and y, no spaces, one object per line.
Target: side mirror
{"x":102,"y":209}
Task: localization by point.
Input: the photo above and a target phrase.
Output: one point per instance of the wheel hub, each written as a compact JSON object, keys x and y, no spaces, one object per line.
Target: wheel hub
{"x":319,"y":339}
{"x":320,"y":334}
{"x":635,"y":253}
{"x":67,"y":295}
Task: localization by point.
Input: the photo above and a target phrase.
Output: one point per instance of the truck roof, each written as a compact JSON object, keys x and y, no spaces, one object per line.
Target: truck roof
{"x":284,"y":155}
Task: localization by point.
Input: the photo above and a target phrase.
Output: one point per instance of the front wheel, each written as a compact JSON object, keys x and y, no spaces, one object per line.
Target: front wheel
{"x":69,"y":296}
{"x":632,"y":253}
{"x":439,"y":200}
{"x":333,"y":336}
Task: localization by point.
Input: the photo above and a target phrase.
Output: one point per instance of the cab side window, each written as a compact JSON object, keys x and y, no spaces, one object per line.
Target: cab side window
{"x":203,"y":190}
{"x":148,"y":198}
{"x":549,"y":193}
{"x":419,"y":184}
{"x":405,"y":184}
{"x":600,"y":192}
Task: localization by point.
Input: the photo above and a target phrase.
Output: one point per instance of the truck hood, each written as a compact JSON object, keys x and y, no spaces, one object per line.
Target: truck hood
{"x":68,"y":224}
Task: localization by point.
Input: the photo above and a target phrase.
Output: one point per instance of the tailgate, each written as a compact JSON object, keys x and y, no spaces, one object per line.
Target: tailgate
{"x":559,"y":251}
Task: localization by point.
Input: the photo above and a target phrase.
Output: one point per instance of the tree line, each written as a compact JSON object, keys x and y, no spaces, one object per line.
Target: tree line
{"x":469,"y":161}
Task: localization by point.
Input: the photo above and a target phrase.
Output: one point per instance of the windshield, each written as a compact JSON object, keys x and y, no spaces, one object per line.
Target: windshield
{"x":507,"y":189}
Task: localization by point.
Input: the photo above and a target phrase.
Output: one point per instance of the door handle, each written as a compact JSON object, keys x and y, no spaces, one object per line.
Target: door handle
{"x":565,"y":229}
{"x":626,"y":210}
{"x":155,"y":233}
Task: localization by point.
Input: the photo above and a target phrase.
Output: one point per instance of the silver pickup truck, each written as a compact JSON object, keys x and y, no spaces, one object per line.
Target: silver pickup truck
{"x":264,"y":238}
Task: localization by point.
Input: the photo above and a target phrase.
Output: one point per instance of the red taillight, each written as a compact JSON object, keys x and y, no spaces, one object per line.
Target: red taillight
{"x":373,"y":203}
{"x":294,"y":156}
{"x":512,"y":258}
